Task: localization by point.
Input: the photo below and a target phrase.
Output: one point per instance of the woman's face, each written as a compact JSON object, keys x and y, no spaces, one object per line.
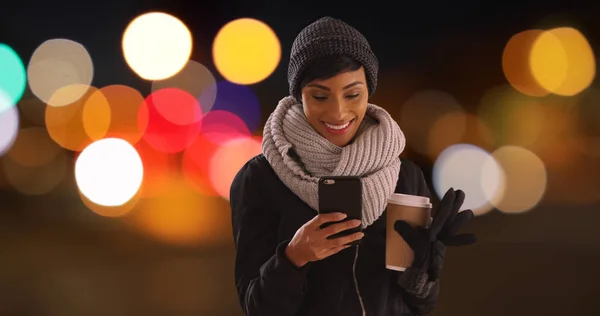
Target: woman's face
{"x":335,"y":107}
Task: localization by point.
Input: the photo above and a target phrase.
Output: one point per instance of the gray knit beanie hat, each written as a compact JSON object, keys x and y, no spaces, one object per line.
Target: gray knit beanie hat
{"x":325,"y":37}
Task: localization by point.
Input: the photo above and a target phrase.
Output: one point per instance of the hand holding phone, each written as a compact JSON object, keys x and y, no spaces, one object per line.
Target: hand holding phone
{"x":310,"y":243}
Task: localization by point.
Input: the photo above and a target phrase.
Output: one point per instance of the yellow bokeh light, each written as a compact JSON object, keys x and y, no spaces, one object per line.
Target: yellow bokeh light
{"x":181,"y":216}
{"x":582,"y":64}
{"x":548,"y":61}
{"x":562,"y":61}
{"x":246,"y":51}
{"x":96,"y":115}
{"x":65,"y":123}
{"x":156,"y":45}
{"x":516,"y":64}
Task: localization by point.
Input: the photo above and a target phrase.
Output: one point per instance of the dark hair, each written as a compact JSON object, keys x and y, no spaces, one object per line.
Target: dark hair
{"x":325,"y":68}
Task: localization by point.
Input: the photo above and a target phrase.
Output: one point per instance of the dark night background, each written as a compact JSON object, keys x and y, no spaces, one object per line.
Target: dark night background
{"x":60,"y":259}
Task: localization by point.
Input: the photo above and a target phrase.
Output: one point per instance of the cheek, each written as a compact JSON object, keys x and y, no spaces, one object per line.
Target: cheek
{"x":311,"y":113}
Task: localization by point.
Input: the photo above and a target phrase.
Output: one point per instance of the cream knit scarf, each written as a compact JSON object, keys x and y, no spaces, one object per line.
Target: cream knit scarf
{"x":299,"y":155}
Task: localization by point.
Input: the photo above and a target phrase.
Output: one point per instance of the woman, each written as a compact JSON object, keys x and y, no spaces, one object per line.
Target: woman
{"x":285,"y":264}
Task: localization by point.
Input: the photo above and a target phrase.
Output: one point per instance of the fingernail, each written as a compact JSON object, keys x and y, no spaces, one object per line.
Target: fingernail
{"x":362,"y":235}
{"x":342,"y":215}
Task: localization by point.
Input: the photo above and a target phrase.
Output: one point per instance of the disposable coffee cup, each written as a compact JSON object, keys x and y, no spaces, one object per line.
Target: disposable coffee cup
{"x":416,"y":211}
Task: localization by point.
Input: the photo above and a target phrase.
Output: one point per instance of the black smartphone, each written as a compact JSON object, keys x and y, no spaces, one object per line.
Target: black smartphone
{"x":341,"y":194}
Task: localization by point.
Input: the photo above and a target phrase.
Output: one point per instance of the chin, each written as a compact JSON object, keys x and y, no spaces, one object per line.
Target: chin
{"x":340,"y":141}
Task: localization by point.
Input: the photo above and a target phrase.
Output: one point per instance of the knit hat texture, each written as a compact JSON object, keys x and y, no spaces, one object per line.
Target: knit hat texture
{"x":326,"y":37}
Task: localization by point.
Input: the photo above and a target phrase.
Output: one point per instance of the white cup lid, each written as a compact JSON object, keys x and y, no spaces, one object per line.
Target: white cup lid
{"x":410,"y":200}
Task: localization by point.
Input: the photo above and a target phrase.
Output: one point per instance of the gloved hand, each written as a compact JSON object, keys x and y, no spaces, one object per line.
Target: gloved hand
{"x":429,"y":244}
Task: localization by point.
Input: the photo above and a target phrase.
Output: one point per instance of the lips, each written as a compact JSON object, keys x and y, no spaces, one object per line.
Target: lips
{"x":338,"y":128}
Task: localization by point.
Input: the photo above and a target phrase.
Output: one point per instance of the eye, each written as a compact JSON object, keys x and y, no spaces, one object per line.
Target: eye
{"x":353,"y":96}
{"x":318,"y":98}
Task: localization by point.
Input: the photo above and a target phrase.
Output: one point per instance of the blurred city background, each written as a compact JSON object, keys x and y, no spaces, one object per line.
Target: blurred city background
{"x":123,"y":123}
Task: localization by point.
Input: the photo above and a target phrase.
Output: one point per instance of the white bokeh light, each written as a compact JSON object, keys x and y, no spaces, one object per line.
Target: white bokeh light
{"x":109,"y":172}
{"x":157,"y":45}
{"x":9,"y":127}
{"x":469,"y":168}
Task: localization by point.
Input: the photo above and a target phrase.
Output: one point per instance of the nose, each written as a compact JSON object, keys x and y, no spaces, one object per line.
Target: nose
{"x":338,"y":110}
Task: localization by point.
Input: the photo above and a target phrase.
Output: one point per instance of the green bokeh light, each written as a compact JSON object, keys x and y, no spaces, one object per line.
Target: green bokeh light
{"x":12,"y":77}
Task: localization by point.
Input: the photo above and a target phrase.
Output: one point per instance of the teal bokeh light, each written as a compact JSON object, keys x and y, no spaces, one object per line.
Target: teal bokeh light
{"x":12,"y":77}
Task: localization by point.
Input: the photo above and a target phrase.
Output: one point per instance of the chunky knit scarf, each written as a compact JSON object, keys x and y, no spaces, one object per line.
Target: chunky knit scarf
{"x":300,"y":156}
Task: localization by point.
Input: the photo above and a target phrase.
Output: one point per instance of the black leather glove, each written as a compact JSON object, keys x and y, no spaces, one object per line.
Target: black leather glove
{"x":429,"y":244}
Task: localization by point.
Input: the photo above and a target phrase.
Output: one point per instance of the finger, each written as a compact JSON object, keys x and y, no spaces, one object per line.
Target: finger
{"x":408,"y":233}
{"x":460,"y":240}
{"x":459,"y":199}
{"x":323,"y":218}
{"x":442,"y":212}
{"x":340,"y":241}
{"x":339,"y":227}
{"x":461,"y":219}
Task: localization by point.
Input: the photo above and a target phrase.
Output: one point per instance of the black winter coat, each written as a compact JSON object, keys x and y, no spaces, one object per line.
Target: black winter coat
{"x":355,"y":281}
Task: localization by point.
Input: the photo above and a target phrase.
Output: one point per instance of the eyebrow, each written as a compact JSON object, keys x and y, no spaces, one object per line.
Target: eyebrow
{"x":315,"y":85}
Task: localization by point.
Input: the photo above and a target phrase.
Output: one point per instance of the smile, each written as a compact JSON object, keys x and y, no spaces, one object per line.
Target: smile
{"x":338,"y":129}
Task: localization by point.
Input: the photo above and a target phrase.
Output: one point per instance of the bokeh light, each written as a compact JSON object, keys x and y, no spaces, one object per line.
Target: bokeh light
{"x":110,"y":211}
{"x":218,"y":128}
{"x":246,"y":51}
{"x":524,"y":179}
{"x":472,"y":170}
{"x":173,"y":119}
{"x":194,"y":79}
{"x":95,"y":115}
{"x":239,"y":100}
{"x":158,"y":168}
{"x":12,"y":77}
{"x":9,"y":128}
{"x":229,"y":159}
{"x":513,"y":118}
{"x":156,"y":45}
{"x":33,"y":147}
{"x":458,"y":127}
{"x":109,"y":172}
{"x":112,"y":112}
{"x":562,"y":61}
{"x":66,"y":125}
{"x":221,"y":126}
{"x":59,"y":63}
{"x":421,"y":111}
{"x":39,"y":179}
{"x":516,"y":63}
{"x":180,"y":216}
{"x":177,"y":106}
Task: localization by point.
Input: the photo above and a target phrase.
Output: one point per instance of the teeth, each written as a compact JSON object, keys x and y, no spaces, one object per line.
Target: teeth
{"x":337,"y":126}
